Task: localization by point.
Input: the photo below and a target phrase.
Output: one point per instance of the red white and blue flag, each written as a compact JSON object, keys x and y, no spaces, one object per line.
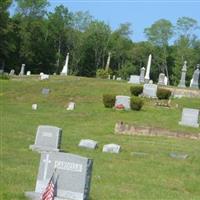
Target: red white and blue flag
{"x":50,"y":191}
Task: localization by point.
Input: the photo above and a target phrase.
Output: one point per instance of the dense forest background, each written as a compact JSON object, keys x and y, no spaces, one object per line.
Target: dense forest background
{"x":42,"y":39}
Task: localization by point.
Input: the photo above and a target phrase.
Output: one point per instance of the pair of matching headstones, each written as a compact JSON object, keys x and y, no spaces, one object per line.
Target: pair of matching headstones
{"x":91,"y":144}
{"x":73,"y":172}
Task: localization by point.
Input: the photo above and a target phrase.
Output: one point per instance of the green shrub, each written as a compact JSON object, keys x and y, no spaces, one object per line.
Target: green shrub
{"x":102,"y":73}
{"x":4,"y":76}
{"x":163,"y":93}
{"x":136,"y":103}
{"x":136,"y":90}
{"x":109,"y":100}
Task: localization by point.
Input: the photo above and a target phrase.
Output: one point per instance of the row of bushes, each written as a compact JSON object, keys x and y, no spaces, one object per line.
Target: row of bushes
{"x":162,"y":93}
{"x":136,"y":103}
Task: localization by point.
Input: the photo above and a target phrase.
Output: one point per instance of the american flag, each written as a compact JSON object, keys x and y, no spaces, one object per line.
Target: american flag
{"x":49,"y":192}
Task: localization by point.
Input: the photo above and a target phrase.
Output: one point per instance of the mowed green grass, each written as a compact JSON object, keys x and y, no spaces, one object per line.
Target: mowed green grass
{"x":115,"y":177}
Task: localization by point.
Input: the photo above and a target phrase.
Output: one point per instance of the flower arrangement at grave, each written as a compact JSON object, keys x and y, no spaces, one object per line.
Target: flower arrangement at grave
{"x":119,"y":107}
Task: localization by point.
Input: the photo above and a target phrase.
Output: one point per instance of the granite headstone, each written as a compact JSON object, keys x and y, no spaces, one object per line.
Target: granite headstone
{"x":48,"y":138}
{"x":73,"y":176}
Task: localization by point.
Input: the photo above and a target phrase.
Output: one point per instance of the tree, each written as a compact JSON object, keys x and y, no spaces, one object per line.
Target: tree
{"x":81,"y":20}
{"x":95,"y":47}
{"x":159,"y":34}
{"x":4,"y":29}
{"x":59,"y":25}
{"x":36,"y":8}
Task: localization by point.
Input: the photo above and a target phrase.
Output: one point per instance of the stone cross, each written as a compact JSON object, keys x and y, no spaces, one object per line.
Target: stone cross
{"x":183,"y":75}
{"x":65,"y":68}
{"x":46,"y":163}
{"x":147,"y":77}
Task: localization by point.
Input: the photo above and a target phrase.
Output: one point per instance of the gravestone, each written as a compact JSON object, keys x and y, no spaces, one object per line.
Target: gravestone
{"x":71,"y":106}
{"x":118,"y":78}
{"x":150,"y":90}
{"x":147,"y":75}
{"x":87,"y":143}
{"x":65,"y":68}
{"x":183,"y":75}
{"x":142,"y":74}
{"x":195,"y":78}
{"x":161,"y":79}
{"x":48,"y":138}
{"x":44,"y":76}
{"x":166,"y":80}
{"x":124,"y":101}
{"x":113,"y":77}
{"x":134,"y":79}
{"x":12,"y":72}
{"x":176,"y":155}
{"x":111,"y":148}
{"x":22,"y":70}
{"x":28,"y":73}
{"x":34,"y":106}
{"x":190,"y":117}
{"x":74,"y":176}
{"x":108,"y":61}
{"x":45,"y":91}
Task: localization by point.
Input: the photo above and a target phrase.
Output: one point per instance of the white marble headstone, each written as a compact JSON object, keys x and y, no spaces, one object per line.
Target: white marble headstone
{"x":71,"y":106}
{"x":87,"y":143}
{"x":28,"y":73}
{"x":34,"y":106}
{"x":150,"y":90}
{"x":134,"y":79}
{"x":190,"y":117}
{"x":111,"y":148}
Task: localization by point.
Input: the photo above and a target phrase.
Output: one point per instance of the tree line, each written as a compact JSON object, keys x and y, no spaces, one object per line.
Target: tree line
{"x":42,"y":39}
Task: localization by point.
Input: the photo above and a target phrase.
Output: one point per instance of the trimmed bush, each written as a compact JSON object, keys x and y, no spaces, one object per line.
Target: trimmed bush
{"x":163,"y":93}
{"x":4,"y":76}
{"x":136,"y":90}
{"x":136,"y":103}
{"x":109,"y":100}
{"x":102,"y":73}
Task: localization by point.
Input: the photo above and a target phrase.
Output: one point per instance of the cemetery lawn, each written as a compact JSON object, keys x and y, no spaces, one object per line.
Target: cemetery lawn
{"x":126,"y":176}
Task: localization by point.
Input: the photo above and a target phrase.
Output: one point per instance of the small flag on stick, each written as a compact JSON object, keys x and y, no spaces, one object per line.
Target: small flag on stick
{"x":50,"y":191}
